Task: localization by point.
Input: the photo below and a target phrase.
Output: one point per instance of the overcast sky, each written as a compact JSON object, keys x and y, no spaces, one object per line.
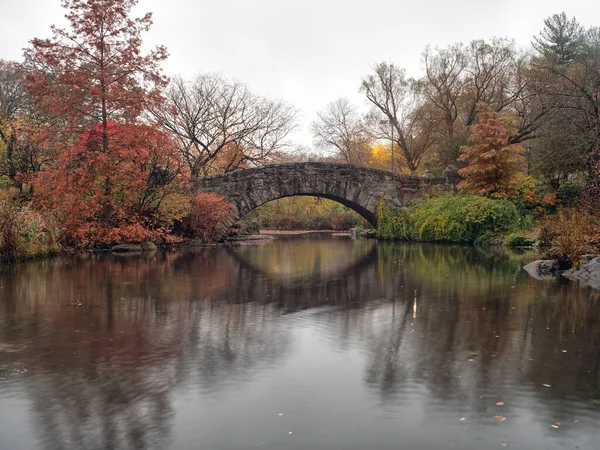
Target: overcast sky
{"x":307,"y":52}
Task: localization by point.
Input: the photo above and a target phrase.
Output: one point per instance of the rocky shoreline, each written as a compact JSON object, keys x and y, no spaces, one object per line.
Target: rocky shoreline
{"x":588,"y":273}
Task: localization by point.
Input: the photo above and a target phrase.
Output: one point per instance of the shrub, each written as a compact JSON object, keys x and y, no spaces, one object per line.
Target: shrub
{"x":462,"y":218}
{"x":566,"y":236}
{"x":25,"y":234}
{"x":568,"y":193}
{"x":343,"y":220}
{"x":392,"y":224}
{"x":206,"y":218}
{"x":11,"y":242}
{"x":286,"y":222}
{"x":518,"y":240}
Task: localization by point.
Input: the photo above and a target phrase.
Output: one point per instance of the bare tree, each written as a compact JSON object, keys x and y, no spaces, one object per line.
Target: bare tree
{"x":399,"y":102}
{"x":458,"y":79}
{"x":574,"y":94}
{"x":339,"y":127}
{"x":222,"y":126}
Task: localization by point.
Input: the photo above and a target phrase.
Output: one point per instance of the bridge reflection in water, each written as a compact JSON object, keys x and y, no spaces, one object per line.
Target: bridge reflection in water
{"x":208,"y":345}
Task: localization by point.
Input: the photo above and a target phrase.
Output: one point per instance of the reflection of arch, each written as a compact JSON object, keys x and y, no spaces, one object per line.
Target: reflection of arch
{"x":354,"y":268}
{"x":358,"y":188}
{"x":358,"y":283}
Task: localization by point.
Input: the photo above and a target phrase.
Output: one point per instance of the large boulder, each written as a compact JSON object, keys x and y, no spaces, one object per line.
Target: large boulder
{"x":588,"y":274}
{"x":542,"y":269}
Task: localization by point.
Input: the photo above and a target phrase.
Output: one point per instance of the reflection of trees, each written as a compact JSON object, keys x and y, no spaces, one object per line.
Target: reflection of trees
{"x":458,"y":304}
{"x":105,"y":341}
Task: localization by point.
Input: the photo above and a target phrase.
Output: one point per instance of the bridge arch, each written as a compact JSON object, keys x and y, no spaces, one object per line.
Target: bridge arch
{"x":358,"y":188}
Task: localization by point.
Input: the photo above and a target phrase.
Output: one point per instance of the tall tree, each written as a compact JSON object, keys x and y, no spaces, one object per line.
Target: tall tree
{"x":491,"y":161}
{"x":221,"y":125}
{"x":95,"y":72}
{"x":340,"y":127}
{"x":398,"y":113}
{"x":459,"y":78}
{"x":573,"y":87}
{"x":561,"y":39}
{"x":13,"y":100}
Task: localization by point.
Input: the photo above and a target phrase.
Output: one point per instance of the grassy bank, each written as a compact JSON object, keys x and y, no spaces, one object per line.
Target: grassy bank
{"x":452,"y":218}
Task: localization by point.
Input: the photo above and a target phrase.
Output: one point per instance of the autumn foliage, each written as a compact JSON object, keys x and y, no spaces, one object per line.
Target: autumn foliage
{"x":95,"y":71}
{"x":144,"y":169}
{"x":567,"y":235}
{"x":206,"y":217}
{"x":492,"y":163}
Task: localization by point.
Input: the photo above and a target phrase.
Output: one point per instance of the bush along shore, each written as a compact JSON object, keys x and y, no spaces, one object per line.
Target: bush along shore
{"x":462,"y":219}
{"x":26,"y":234}
{"x":569,"y":239}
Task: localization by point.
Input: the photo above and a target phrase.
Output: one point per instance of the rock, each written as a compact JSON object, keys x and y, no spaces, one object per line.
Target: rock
{"x":149,"y":246}
{"x":542,"y":269}
{"x":126,"y":248}
{"x":366,"y":234}
{"x":588,"y":274}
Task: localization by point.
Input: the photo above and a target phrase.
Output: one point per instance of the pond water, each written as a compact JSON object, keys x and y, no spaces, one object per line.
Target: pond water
{"x":306,"y":342}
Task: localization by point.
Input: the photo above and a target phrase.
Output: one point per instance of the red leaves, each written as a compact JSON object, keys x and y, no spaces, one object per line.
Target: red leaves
{"x":111,"y":184}
{"x":207,"y":213}
{"x":95,"y":70}
{"x":106,"y":197}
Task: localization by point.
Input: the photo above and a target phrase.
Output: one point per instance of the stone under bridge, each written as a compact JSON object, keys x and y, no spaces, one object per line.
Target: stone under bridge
{"x":358,"y":188}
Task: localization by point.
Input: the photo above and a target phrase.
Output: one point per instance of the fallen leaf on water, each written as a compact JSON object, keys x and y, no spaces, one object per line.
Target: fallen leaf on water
{"x":289,"y":432}
{"x":500,"y":418}
{"x":500,"y":404}
{"x":471,"y":360}
{"x":576,"y":421}
{"x":554,"y":426}
{"x":462,"y":419}
{"x":281,"y":414}
{"x":546,"y":385}
{"x":504,"y":444}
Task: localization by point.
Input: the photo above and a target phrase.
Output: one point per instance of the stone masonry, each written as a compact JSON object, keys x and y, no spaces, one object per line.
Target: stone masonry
{"x":358,"y":188}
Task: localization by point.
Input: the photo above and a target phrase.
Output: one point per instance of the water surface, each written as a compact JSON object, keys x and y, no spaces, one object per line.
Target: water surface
{"x":307,"y":342}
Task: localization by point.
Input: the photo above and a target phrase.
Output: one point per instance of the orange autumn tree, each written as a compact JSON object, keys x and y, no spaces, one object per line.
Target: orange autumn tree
{"x":492,"y":163}
{"x":146,"y":172}
{"x":91,"y":76}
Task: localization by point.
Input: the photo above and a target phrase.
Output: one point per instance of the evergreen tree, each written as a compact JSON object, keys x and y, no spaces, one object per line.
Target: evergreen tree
{"x":561,"y":39}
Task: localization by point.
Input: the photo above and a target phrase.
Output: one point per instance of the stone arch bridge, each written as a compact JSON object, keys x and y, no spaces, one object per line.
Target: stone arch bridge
{"x":358,"y":188}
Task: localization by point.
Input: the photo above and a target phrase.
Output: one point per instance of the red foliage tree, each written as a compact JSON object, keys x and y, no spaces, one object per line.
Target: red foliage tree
{"x":492,"y":163}
{"x":145,"y":170}
{"x":95,"y":72}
